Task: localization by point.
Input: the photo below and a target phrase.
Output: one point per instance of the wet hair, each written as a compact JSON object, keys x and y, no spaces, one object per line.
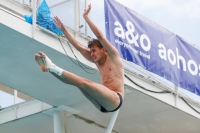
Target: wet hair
{"x":95,"y":42}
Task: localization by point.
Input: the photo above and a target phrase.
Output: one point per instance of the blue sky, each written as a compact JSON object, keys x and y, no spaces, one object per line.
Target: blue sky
{"x":181,"y":17}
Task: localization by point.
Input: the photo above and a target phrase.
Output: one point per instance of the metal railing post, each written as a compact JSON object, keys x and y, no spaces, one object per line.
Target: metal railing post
{"x":86,"y":33}
{"x":30,"y":3}
{"x":15,"y":97}
{"x":34,"y":18}
{"x":60,"y":122}
{"x":176,"y":95}
{"x":15,"y":102}
{"x":38,"y":3}
{"x":77,"y":16}
{"x":112,"y":121}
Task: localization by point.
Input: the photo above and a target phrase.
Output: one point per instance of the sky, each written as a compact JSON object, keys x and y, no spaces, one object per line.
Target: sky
{"x":181,"y":17}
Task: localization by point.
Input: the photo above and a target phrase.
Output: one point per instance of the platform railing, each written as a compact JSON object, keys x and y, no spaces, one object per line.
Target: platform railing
{"x":11,"y":97}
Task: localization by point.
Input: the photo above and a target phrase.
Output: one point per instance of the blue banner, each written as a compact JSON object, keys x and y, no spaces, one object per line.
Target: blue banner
{"x":152,"y":47}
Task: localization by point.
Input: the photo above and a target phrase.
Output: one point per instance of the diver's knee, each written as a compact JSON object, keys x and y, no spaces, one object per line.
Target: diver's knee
{"x":85,"y":83}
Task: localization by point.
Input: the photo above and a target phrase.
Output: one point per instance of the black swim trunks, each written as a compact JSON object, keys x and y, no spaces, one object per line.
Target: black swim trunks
{"x":120,"y":104}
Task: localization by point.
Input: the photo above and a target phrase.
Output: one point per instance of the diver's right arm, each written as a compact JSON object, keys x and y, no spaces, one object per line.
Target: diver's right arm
{"x":84,"y":51}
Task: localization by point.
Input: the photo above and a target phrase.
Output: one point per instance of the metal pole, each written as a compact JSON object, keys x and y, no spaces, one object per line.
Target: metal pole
{"x":60,"y":122}
{"x":15,"y":97}
{"x":30,"y":5}
{"x":15,"y":102}
{"x":176,"y":95}
{"x":38,"y":3}
{"x":112,"y":121}
{"x":76,"y":17}
{"x":34,"y":18}
{"x":79,"y":22}
{"x":86,"y":3}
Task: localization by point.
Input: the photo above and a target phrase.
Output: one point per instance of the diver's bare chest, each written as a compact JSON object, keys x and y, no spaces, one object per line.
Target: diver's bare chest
{"x":107,"y":71}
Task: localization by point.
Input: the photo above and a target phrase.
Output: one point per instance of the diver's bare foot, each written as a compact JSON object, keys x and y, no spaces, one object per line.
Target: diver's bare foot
{"x":40,"y":59}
